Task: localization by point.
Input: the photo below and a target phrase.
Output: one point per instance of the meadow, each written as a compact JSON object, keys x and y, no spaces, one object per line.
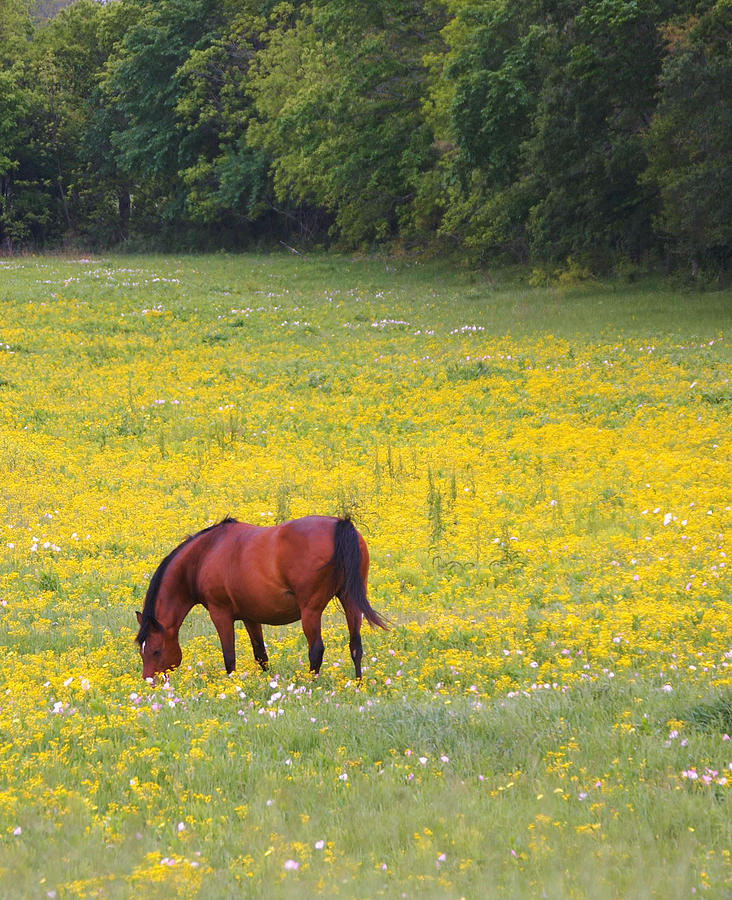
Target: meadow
{"x":542,"y":475}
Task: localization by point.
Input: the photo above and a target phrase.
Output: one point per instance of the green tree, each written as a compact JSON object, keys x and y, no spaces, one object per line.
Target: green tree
{"x":227,"y":181}
{"x":142,"y":89}
{"x":15,"y":102}
{"x":13,"y":113}
{"x":482,"y":108}
{"x":338,"y":91}
{"x":546,"y":106}
{"x":689,"y":142}
{"x":84,"y":38}
{"x":16,"y":28}
{"x":586,"y":152}
{"x":48,"y":101}
{"x":69,"y":55}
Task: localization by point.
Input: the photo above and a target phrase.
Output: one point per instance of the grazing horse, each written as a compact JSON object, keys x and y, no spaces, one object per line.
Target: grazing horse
{"x":260,"y":576}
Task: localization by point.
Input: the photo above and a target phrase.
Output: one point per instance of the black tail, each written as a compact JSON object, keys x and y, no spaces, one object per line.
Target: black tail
{"x":346,"y":561}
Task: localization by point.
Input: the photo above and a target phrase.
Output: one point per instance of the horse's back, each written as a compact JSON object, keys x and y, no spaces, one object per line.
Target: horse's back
{"x":304,"y":548}
{"x":308,"y":530}
{"x":263,"y":571}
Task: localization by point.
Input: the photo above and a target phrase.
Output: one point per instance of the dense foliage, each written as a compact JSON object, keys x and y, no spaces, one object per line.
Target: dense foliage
{"x":549,"y":130}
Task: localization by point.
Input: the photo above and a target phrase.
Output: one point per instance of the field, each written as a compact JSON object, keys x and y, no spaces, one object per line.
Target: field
{"x":543,"y":478}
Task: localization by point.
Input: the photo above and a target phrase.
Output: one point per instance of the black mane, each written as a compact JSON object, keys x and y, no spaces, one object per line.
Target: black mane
{"x":148,"y":610}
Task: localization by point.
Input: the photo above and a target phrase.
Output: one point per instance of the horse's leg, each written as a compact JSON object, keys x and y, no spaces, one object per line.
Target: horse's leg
{"x":354,"y":617}
{"x":224,"y":624}
{"x":257,"y":639}
{"x":311,"y":627}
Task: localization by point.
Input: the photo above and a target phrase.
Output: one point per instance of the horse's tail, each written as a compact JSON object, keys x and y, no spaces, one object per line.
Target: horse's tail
{"x":346,"y":562}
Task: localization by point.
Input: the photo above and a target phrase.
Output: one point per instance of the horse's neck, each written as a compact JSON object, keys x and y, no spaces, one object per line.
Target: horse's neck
{"x":175,"y":599}
{"x":172,"y":608}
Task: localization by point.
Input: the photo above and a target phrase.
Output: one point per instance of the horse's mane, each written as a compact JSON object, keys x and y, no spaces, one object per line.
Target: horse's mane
{"x":148,"y":610}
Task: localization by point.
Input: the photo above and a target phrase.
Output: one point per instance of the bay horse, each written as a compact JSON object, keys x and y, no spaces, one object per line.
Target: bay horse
{"x":259,"y":575}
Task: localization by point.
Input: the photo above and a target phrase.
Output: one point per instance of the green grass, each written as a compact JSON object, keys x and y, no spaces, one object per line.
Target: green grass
{"x":539,"y":795}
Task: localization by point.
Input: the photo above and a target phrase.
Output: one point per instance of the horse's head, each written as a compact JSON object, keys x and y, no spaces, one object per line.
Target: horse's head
{"x":159,"y":647}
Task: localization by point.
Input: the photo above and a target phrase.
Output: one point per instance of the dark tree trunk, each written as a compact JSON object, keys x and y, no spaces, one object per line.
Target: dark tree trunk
{"x":124,"y":214}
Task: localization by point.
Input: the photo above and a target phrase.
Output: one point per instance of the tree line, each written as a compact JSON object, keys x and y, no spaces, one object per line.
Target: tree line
{"x":531,"y":130}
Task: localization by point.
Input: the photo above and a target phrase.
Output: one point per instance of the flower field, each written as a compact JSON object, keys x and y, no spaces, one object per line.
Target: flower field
{"x":543,"y":479}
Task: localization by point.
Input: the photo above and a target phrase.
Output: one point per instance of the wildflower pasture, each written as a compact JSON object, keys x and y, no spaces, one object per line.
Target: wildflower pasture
{"x":543,"y":478}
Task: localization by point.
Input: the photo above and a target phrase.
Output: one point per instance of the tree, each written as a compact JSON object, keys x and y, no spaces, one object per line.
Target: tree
{"x":689,"y":141}
{"x":482,"y":108}
{"x":586,"y":152}
{"x":15,"y":28}
{"x":68,"y":56}
{"x":338,"y":93}
{"x":84,"y":38}
{"x":548,"y":105}
{"x":227,"y":181}
{"x":141,"y":90}
{"x":538,"y":129}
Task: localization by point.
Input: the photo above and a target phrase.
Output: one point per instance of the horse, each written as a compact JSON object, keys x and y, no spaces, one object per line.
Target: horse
{"x":259,"y":575}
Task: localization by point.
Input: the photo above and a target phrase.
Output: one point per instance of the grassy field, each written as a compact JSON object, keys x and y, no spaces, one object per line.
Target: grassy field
{"x":543,"y":478}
